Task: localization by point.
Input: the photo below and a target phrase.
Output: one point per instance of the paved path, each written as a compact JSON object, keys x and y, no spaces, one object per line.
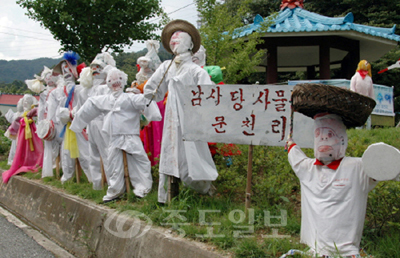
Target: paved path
{"x":20,"y":240}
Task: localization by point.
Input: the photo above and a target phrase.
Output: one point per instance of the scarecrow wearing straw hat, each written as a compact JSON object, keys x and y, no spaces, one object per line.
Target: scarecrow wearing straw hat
{"x":93,"y":80}
{"x":191,"y":162}
{"x":61,"y":104}
{"x":122,"y":123}
{"x":334,"y":188}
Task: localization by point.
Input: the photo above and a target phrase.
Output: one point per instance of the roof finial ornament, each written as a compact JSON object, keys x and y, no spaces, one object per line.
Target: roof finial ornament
{"x":292,"y":4}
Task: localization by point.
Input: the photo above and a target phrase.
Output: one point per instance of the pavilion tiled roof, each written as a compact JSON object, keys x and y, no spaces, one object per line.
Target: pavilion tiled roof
{"x":300,"y":20}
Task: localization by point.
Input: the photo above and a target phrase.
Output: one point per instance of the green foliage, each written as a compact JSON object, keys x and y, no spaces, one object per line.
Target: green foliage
{"x":238,"y":56}
{"x":89,"y":27}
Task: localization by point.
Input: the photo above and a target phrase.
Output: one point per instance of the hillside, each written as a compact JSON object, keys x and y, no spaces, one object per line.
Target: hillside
{"x":23,"y":69}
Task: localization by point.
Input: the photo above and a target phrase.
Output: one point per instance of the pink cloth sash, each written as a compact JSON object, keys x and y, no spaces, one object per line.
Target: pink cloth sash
{"x":26,"y":160}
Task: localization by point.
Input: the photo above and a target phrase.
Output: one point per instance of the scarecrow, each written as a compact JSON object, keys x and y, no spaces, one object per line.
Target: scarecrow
{"x":122,"y":123}
{"x":62,"y":104}
{"x":93,"y":79}
{"x":191,"y":162}
{"x":11,"y":117}
{"x":45,"y":128}
{"x":29,"y":151}
{"x":334,"y":188}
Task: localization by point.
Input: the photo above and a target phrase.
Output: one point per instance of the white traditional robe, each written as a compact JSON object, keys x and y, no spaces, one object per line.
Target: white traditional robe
{"x":10,"y":117}
{"x":56,"y":101}
{"x":51,"y":148}
{"x":189,"y":161}
{"x":98,"y":139}
{"x":122,"y":123}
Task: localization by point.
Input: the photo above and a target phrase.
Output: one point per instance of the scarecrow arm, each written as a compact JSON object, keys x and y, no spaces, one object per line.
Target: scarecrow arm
{"x":395,"y":65}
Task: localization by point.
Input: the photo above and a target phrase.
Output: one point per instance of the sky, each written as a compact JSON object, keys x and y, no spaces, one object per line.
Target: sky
{"x":24,"y":38}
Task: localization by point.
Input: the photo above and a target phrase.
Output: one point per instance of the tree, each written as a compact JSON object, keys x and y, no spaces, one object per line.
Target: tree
{"x":89,"y":27}
{"x":219,"y":32}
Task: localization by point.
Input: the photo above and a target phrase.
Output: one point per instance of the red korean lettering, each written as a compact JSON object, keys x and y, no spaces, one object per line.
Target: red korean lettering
{"x":220,"y":124}
{"x":276,"y":124}
{"x":197,"y":94}
{"x":237,"y":106}
{"x":264,"y":99}
{"x":249,"y":123}
{"x":217,"y":96}
{"x":280,"y":103}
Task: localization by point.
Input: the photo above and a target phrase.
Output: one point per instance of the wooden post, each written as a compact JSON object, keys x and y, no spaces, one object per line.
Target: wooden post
{"x":249,"y":172}
{"x":58,"y":167}
{"x":103,"y":173}
{"x":169,"y":195}
{"x":126,"y":174}
{"x":77,"y":171}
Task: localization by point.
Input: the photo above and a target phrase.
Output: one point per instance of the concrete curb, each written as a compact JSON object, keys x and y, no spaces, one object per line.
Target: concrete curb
{"x":89,"y":230}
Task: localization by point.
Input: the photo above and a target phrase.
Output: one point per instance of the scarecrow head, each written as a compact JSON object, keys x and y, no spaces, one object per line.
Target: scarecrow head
{"x":99,"y":63}
{"x":180,"y":36}
{"x":116,"y":80}
{"x":199,"y":57}
{"x":67,"y":67}
{"x":330,"y":137}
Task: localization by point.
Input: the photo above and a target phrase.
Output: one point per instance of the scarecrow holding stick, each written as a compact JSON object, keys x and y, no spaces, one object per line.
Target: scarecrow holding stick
{"x":191,"y":162}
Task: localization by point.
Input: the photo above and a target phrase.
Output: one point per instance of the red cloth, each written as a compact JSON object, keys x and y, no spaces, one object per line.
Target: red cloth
{"x":151,"y":136}
{"x":26,"y":160}
{"x":363,"y":73}
{"x":333,"y":165}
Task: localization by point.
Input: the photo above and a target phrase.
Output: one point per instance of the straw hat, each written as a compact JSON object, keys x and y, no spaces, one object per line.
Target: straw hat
{"x":180,"y":25}
{"x":313,"y":98}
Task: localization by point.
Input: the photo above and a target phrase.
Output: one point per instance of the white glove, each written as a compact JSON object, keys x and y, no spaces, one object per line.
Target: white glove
{"x":64,"y":115}
{"x":74,"y":111}
{"x":133,"y":90}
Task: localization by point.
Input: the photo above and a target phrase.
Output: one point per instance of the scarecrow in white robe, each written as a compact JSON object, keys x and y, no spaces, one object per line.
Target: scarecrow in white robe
{"x":122,"y":123}
{"x":61,"y":104}
{"x":10,"y":117}
{"x":191,"y":162}
{"x":93,"y":79}
{"x":334,"y":188}
{"x":361,"y":82}
{"x":44,"y":127}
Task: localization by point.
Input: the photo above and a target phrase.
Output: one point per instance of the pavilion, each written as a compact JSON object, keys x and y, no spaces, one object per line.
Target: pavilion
{"x":299,"y":40}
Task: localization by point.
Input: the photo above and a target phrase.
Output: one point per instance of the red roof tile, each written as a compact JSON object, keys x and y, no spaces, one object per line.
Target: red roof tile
{"x":11,"y":99}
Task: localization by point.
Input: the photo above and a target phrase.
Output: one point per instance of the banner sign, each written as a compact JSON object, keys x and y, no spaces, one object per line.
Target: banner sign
{"x":384,"y":100}
{"x":242,"y":114}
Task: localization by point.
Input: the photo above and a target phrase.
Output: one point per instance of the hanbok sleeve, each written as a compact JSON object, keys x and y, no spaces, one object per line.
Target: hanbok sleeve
{"x":10,"y":116}
{"x":154,"y":81}
{"x":299,"y":161}
{"x":89,"y":111}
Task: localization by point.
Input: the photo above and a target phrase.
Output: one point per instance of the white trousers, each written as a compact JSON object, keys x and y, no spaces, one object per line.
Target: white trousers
{"x":139,"y":167}
{"x":98,"y":147}
{"x":68,"y":164}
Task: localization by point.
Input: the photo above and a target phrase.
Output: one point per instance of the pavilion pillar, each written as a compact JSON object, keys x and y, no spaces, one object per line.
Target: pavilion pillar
{"x":324,"y":61}
{"x":272,"y":64}
{"x":311,"y":72}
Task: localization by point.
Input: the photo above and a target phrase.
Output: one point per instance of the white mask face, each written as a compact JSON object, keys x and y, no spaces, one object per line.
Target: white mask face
{"x":51,"y":80}
{"x":330,"y":138}
{"x":67,"y":72}
{"x":97,"y":72}
{"x":27,"y":103}
{"x":115,"y":81}
{"x":180,"y":42}
{"x":143,"y":64}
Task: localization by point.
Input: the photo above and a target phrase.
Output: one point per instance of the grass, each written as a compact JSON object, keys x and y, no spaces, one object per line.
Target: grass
{"x":222,"y":222}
